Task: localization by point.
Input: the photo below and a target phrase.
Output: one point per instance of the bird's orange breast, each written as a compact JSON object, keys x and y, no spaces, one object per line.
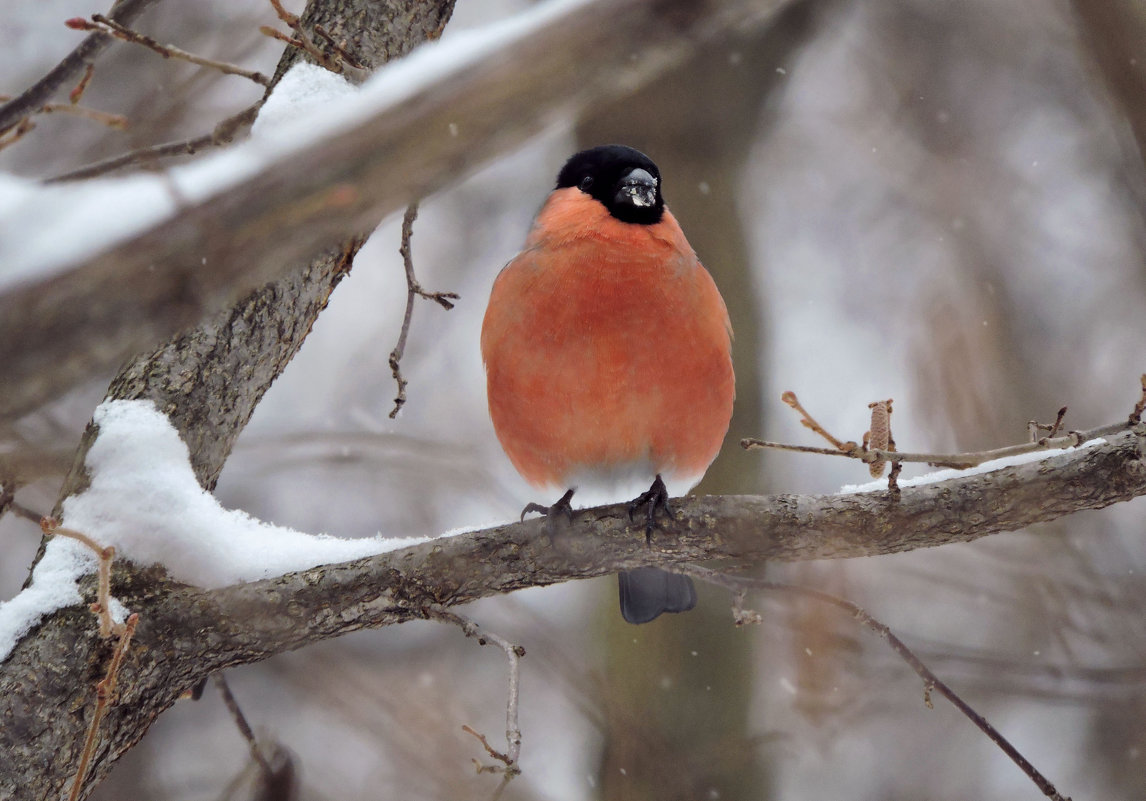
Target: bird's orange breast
{"x":606,"y":344}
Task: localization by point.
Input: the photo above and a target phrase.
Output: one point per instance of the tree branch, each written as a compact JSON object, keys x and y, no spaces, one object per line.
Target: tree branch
{"x":738,"y":585}
{"x":187,"y":633}
{"x":59,"y":330}
{"x":36,"y":95}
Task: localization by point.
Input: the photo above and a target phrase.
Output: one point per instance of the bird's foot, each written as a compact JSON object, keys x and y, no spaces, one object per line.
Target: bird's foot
{"x":562,"y":508}
{"x":656,"y":498}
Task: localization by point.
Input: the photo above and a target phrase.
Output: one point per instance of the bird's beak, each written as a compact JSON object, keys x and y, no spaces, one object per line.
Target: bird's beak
{"x":638,"y":188}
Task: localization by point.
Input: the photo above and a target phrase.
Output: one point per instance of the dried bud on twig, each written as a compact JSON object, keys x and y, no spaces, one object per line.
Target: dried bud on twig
{"x":878,"y":437}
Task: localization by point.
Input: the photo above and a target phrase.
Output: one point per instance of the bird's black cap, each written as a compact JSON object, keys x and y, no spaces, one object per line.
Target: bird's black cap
{"x":625,"y":180}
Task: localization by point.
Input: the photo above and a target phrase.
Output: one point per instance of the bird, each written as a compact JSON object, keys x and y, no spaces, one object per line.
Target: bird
{"x":607,"y":353}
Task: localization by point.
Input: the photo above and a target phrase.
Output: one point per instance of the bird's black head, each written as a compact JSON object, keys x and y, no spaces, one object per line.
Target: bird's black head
{"x":625,"y":180}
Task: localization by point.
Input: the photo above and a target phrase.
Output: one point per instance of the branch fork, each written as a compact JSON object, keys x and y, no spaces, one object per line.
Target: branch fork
{"x":509,"y":767}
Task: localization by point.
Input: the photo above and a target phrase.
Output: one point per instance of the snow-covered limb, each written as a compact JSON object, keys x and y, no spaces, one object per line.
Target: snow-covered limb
{"x":418,"y":125}
{"x":188,"y":632}
{"x":144,"y":501}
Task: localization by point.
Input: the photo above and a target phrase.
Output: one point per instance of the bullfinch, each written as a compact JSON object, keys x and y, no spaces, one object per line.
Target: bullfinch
{"x":607,"y":351}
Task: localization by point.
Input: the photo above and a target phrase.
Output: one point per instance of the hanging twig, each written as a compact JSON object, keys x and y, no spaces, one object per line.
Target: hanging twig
{"x":241,"y":723}
{"x":413,"y":291}
{"x":738,"y":585}
{"x":105,"y":693}
{"x":513,"y":654}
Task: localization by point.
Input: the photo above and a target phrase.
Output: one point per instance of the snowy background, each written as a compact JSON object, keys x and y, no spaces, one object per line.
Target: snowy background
{"x":936,"y":203}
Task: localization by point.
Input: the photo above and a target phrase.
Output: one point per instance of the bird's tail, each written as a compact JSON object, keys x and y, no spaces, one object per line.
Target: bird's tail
{"x":647,"y":592}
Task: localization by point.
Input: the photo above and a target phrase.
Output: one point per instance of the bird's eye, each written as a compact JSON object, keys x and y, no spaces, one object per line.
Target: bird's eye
{"x":586,"y":183}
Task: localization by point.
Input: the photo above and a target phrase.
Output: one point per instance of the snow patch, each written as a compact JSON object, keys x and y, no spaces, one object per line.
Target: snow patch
{"x":301,"y":94}
{"x":948,"y":473}
{"x":145,"y":501}
{"x":47,"y":229}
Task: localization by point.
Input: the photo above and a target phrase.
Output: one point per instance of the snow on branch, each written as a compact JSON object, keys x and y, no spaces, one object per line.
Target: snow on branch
{"x":145,"y":503}
{"x":241,"y":217}
{"x":187,"y":632}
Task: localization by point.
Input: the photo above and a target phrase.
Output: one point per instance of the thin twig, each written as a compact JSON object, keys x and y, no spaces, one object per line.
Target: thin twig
{"x":241,"y":723}
{"x":20,"y":510}
{"x":413,"y":291}
{"x":14,"y":135}
{"x":959,"y":461}
{"x":808,"y":421}
{"x":105,"y":692}
{"x":739,"y":584}
{"x":300,"y":40}
{"x":338,"y":48}
{"x":77,"y":61}
{"x":101,"y":23}
{"x":513,"y":654}
{"x":222,"y":134}
{"x":102,"y":607}
{"x":1034,"y":427}
{"x":117,"y":121}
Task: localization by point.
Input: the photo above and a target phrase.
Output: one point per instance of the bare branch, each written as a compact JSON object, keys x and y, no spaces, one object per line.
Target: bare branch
{"x":241,"y":723}
{"x":739,"y":584}
{"x":959,"y":461}
{"x":76,"y":62}
{"x":413,"y":291}
{"x":99,"y":22}
{"x":192,"y":633}
{"x":102,"y":607}
{"x":117,"y":121}
{"x":513,"y":653}
{"x":13,"y":135}
{"x":253,"y":232}
{"x":223,"y":133}
{"x":302,"y":40}
{"x":808,"y":421}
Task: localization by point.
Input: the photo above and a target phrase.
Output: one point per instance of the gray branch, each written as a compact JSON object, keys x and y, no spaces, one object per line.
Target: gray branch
{"x":36,"y":95}
{"x":187,"y":633}
{"x":60,"y":330}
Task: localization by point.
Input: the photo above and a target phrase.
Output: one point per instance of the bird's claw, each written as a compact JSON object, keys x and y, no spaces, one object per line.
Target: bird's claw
{"x":655,"y":499}
{"x":562,"y":508}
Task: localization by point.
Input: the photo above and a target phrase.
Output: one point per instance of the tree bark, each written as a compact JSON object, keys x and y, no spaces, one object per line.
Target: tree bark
{"x":185,"y":633}
{"x":60,"y":330}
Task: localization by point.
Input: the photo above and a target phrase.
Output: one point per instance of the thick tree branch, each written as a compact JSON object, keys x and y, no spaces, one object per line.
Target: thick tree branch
{"x":57,"y":331}
{"x":187,"y":633}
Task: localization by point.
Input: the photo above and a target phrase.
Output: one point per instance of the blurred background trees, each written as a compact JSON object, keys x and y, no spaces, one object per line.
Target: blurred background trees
{"x":940,"y":203}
